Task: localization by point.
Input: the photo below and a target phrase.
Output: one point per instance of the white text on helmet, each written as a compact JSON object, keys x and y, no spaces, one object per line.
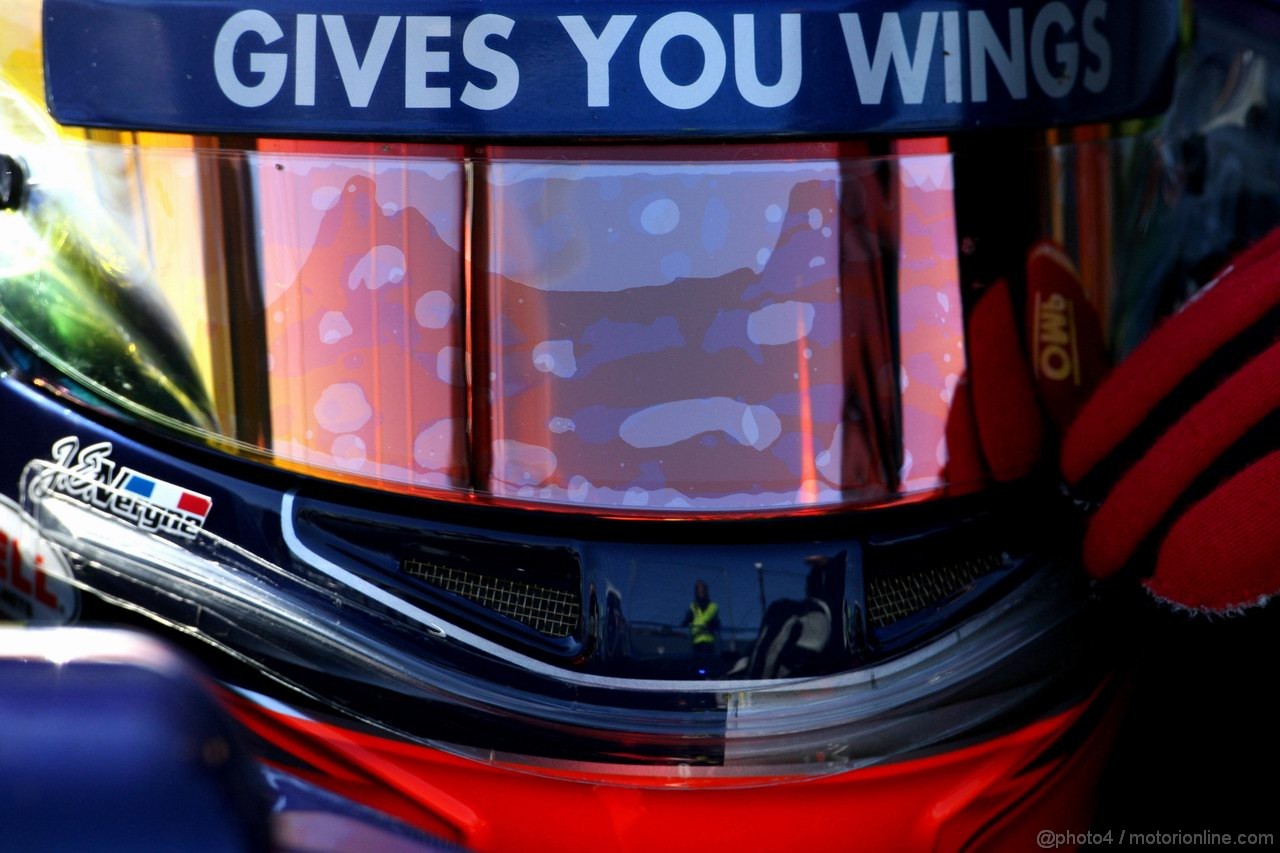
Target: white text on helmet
{"x":361,"y":75}
{"x":1056,"y":75}
{"x":1048,"y":43}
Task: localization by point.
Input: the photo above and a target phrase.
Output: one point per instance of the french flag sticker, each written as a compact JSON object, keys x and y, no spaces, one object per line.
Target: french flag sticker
{"x":167,"y":496}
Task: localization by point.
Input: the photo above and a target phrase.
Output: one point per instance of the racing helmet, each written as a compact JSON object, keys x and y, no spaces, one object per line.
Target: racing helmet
{"x":613,"y":425}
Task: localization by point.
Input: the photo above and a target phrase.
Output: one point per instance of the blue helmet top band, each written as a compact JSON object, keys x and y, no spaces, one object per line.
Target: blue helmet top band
{"x":603,"y":68}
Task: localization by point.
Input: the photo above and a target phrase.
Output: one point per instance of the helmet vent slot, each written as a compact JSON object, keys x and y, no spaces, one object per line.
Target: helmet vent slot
{"x":547,"y":610}
{"x":897,"y":596}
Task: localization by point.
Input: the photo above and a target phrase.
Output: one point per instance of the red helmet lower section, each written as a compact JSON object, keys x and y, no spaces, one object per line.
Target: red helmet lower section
{"x":994,"y":794}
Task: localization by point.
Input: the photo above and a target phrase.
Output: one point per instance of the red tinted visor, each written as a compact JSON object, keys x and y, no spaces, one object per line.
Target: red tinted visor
{"x":668,"y":330}
{"x":778,"y":329}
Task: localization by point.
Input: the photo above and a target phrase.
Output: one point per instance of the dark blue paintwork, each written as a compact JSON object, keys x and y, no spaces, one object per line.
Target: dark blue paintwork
{"x":150,"y":64}
{"x":112,"y":742}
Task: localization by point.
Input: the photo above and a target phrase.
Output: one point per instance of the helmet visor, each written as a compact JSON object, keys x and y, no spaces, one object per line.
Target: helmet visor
{"x":669,"y":329}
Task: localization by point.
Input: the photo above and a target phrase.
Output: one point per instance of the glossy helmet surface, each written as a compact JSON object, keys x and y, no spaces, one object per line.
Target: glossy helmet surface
{"x":631,"y":413}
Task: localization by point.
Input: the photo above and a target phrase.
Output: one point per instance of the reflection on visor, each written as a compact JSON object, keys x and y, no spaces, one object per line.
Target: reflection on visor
{"x":718,"y":334}
{"x":779,"y":329}
{"x":362,"y":301}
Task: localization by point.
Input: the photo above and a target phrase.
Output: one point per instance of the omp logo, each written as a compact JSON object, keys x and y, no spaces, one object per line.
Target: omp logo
{"x":1056,"y":345}
{"x":1046,"y":50}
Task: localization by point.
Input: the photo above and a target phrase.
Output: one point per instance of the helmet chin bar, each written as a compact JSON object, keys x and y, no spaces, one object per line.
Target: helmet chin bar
{"x":423,"y":678}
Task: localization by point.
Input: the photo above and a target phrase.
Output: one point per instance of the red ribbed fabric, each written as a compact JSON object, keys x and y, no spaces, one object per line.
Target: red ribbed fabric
{"x":1242,"y":295}
{"x":1224,"y":552}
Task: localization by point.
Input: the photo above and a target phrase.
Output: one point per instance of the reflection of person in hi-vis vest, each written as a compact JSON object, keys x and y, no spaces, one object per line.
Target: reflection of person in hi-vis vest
{"x":703,"y":620}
